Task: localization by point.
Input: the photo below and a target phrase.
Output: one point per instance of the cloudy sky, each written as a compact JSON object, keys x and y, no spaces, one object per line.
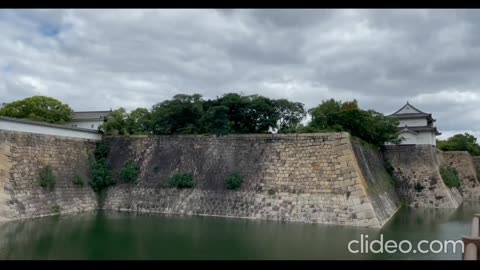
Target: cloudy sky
{"x":102,"y":59}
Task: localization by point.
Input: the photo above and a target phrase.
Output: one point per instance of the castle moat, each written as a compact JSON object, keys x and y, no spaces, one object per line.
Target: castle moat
{"x":104,"y":235}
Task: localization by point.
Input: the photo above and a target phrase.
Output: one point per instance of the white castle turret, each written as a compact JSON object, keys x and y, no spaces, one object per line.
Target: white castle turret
{"x":416,"y":127}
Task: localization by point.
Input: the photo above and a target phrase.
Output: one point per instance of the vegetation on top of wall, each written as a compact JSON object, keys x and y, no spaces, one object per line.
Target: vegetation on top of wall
{"x":369,"y":125}
{"x":39,"y":108}
{"x":46,"y":178}
{"x":130,"y":171}
{"x":233,"y":181}
{"x":182,"y":180}
{"x":450,"y":176}
{"x":460,"y":142}
{"x":78,"y":181}
{"x":230,"y":113}
{"x":100,"y":172}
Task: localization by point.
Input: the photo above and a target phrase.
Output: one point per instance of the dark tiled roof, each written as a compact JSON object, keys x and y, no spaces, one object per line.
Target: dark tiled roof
{"x":91,"y":115}
{"x":417,"y":129}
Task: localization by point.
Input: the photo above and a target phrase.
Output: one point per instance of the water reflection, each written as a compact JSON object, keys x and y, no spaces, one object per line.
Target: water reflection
{"x":120,"y":235}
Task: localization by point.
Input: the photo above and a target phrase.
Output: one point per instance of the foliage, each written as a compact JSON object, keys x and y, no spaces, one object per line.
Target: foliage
{"x":460,"y":142}
{"x":418,"y":187}
{"x":56,"y":209}
{"x":130,"y":171}
{"x":234,"y":181}
{"x":78,"y":181}
{"x":182,"y":180}
{"x":138,"y":121}
{"x":116,"y":124}
{"x":216,"y":120}
{"x":100,"y":172}
{"x":450,"y":176}
{"x":231,"y":113}
{"x":39,"y":108}
{"x":371,"y":126}
{"x":180,"y":115}
{"x":290,"y":115}
{"x":46,"y":178}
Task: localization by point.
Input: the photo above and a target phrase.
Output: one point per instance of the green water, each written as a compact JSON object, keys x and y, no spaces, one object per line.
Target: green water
{"x":116,"y":235}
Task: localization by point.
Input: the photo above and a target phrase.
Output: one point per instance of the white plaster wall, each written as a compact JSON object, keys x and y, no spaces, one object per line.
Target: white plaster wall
{"x":420,"y":138}
{"x":31,"y":128}
{"x":408,"y":138}
{"x":85,"y":124}
{"x":420,"y":122}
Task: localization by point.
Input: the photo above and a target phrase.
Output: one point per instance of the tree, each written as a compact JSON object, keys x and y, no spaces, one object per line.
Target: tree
{"x":117,"y":124}
{"x":216,"y":121}
{"x":290,"y":115}
{"x":138,"y":121}
{"x":39,"y":108}
{"x":180,"y":115}
{"x":370,"y":126}
{"x":249,"y":114}
{"x":460,"y":142}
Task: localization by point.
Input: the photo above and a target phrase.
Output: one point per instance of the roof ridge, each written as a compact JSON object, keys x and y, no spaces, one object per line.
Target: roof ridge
{"x":413,"y":107}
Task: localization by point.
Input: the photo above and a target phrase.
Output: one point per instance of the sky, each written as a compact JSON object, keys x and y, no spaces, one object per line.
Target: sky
{"x":102,"y":59}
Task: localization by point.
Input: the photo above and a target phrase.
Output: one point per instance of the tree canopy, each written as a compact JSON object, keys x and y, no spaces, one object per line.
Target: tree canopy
{"x":191,"y":114}
{"x":368,"y":125}
{"x":460,"y":142}
{"x":39,"y":108}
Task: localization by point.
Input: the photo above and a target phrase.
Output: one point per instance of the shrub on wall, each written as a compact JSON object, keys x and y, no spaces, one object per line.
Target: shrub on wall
{"x":100,"y":173}
{"x":388,"y":166}
{"x":182,"y":180}
{"x":130,"y":171}
{"x":418,"y":187}
{"x":234,"y":181}
{"x":47,"y":178}
{"x":450,"y":176}
{"x":78,"y":181}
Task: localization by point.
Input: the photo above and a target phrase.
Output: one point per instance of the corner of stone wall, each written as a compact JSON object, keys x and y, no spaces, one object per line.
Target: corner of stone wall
{"x":465,"y":165}
{"x":4,"y":178}
{"x":420,"y":164}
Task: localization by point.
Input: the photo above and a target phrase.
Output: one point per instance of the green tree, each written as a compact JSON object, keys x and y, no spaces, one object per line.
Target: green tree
{"x":290,"y":115}
{"x":117,"y":123}
{"x":250,"y":114}
{"x":39,"y":108}
{"x":370,"y":126}
{"x":216,"y":121}
{"x":460,"y":142}
{"x":138,"y":121}
{"x":181,"y":115}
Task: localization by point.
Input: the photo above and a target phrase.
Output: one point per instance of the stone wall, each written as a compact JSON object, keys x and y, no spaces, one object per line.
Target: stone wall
{"x":23,"y":155}
{"x":418,"y":179}
{"x":464,"y":163}
{"x":476,"y":163}
{"x":315,"y":178}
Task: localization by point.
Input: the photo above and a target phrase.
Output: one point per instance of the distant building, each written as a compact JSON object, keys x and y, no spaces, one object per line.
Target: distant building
{"x":36,"y":127}
{"x":89,"y":119}
{"x":416,"y":127}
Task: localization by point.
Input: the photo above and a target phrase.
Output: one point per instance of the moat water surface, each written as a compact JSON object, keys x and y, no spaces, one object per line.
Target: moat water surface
{"x":120,"y":235}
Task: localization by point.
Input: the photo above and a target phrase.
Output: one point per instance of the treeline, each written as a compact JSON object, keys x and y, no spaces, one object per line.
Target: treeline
{"x":460,"y":142}
{"x":233,"y":113}
{"x":191,"y":114}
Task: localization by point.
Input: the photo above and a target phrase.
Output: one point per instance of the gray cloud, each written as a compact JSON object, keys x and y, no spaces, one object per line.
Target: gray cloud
{"x":101,"y":59}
